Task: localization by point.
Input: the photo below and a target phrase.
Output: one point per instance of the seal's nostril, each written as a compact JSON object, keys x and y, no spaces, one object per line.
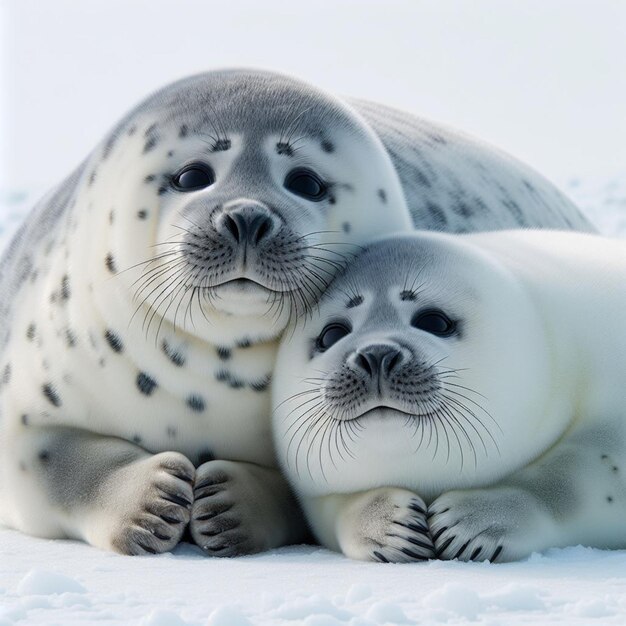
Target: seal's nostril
{"x":362,"y":362}
{"x":391,"y":360}
{"x":232,"y":227}
{"x":259,"y":228}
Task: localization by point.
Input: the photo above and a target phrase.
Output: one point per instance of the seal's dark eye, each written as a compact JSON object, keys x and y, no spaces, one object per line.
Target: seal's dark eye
{"x":307,"y":184}
{"x":331,"y":335}
{"x":435,"y":322}
{"x":194,"y":176}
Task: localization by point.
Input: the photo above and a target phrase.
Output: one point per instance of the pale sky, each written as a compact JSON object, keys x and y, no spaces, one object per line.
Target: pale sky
{"x":543,"y":79}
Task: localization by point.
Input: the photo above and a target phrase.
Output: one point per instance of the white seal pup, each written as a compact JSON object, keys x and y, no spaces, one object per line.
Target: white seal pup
{"x":141,"y":301}
{"x":462,"y":396}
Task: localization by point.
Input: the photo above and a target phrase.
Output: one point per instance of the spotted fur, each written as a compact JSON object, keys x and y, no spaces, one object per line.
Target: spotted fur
{"x":140,"y":337}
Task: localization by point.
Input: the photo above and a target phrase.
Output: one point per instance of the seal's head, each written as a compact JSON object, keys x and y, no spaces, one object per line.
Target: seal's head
{"x":425,"y":366}
{"x":236,"y":196}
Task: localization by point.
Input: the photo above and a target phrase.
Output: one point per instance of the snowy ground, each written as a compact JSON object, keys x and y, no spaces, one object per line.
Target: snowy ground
{"x":68,"y":583}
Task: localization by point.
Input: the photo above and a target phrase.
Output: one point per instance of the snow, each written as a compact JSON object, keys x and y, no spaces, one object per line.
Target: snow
{"x":544,"y":81}
{"x":69,"y":583}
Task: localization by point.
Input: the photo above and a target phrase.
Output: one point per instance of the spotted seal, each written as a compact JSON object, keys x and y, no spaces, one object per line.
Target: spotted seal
{"x":461,"y":396}
{"x":142,"y":299}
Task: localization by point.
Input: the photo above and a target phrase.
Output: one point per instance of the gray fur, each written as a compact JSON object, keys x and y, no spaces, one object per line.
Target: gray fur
{"x":455,"y":183}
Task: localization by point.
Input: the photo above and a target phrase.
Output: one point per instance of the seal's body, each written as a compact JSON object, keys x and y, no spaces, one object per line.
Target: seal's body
{"x":142,"y":299}
{"x":462,"y":396}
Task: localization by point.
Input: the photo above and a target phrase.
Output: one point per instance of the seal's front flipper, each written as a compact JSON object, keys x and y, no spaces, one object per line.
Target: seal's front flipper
{"x":242,"y":508}
{"x":384,"y":524}
{"x":572,"y":495}
{"x":67,"y":482}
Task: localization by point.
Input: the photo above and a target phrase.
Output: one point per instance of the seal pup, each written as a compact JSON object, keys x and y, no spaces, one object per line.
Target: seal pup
{"x":461,"y":396}
{"x":141,"y":301}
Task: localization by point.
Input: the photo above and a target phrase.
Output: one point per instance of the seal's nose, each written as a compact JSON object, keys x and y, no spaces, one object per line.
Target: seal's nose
{"x":250,"y":223}
{"x":377,"y":359}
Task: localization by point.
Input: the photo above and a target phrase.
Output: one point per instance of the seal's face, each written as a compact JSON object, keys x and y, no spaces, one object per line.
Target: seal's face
{"x":253,"y":190}
{"x":425,"y":367}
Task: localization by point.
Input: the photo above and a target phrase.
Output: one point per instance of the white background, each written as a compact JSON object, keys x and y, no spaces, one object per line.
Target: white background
{"x":543,"y":79}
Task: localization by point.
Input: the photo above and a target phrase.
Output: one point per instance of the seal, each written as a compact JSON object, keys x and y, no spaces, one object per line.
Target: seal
{"x":460,"y":396}
{"x":142,"y":300}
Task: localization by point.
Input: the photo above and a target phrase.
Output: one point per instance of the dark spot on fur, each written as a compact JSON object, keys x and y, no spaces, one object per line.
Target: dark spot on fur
{"x":408,"y":295}
{"x":174,"y":355}
{"x":609,"y":499}
{"x":604,"y":456}
{"x":70,"y":338}
{"x":382,"y":194}
{"x":171,"y":431}
{"x":92,"y":178}
{"x":51,"y":394}
{"x":145,"y":383}
{"x":150,"y":130}
{"x":421,"y":178}
{"x":108,"y":146}
{"x":6,"y":375}
{"x":244,"y":343}
{"x":150,"y":178}
{"x":236,"y":383}
{"x":142,"y":214}
{"x":438,"y":139}
{"x":261,"y":385}
{"x":132,"y":130}
{"x":65,"y":288}
{"x":114,"y":341}
{"x":111,"y":217}
{"x":183,"y":131}
{"x":463,"y":209}
{"x":161,"y":190}
{"x":354,"y":301}
{"x":150,"y":144}
{"x":204,"y":456}
{"x":137,"y":439}
{"x":24,"y":419}
{"x":22,"y":466}
{"x":224,"y":376}
{"x":196,"y":403}
{"x":328,"y":146}
{"x":615,"y":469}
{"x":437,"y":215}
{"x":102,"y":362}
{"x":44,"y":456}
{"x":346,"y":227}
{"x":332,"y":199}
{"x":221,"y":145}
{"x":224,"y":353}
{"x":109,"y":261}
{"x":170,"y":153}
{"x":284,"y":148}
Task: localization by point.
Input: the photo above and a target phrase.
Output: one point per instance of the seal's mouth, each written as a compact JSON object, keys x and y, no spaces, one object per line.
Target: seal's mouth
{"x":241,"y":283}
{"x":248,"y":286}
{"x":384,"y":412}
